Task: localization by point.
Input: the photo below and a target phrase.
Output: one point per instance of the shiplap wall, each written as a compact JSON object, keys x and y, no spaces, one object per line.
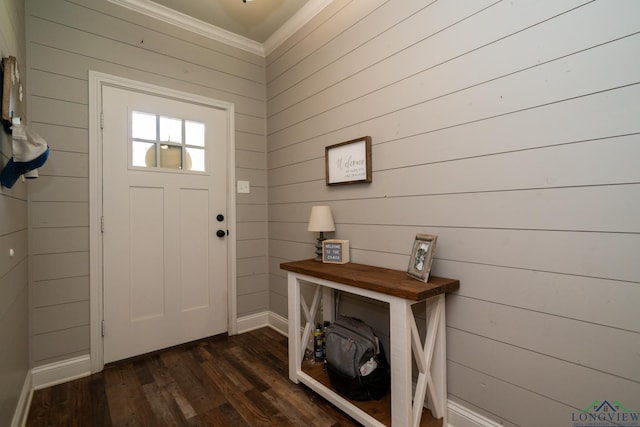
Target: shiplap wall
{"x":14,"y":320}
{"x":65,"y":40}
{"x":511,"y":129}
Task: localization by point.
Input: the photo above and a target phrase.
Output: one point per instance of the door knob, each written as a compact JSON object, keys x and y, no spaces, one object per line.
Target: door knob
{"x":221,"y":233}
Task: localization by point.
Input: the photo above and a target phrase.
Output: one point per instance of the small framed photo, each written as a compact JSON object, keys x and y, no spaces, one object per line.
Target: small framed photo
{"x":335,"y":251}
{"x":424,"y":247}
{"x":348,"y":162}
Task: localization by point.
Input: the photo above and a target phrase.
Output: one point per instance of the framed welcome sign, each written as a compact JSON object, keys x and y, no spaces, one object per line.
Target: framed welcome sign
{"x":348,"y":162}
{"x":335,"y":251}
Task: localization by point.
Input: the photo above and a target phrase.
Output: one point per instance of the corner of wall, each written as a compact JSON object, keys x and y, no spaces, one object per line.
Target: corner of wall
{"x":60,"y":372}
{"x":24,"y":403}
{"x":262,"y":319}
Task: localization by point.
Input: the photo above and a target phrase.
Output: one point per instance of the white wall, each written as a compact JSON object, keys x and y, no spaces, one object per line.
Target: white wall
{"x":510,"y":130}
{"x":65,"y":41}
{"x":14,"y":321}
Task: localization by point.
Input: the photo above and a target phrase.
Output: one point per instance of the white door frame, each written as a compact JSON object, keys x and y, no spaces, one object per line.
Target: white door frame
{"x":96,"y":82}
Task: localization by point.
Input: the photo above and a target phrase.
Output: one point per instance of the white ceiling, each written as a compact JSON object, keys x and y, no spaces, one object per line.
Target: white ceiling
{"x":257,"y":25}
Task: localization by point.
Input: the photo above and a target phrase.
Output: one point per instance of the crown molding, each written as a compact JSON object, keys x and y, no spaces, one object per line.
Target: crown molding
{"x":301,"y":17}
{"x":170,"y":16}
{"x":189,"y":23}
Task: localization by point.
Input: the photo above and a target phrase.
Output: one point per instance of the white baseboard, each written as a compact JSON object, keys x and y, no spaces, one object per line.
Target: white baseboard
{"x":252,"y":321}
{"x":279,"y":323}
{"x":260,"y":320}
{"x":24,"y":402}
{"x":459,"y":416}
{"x":61,"y":372}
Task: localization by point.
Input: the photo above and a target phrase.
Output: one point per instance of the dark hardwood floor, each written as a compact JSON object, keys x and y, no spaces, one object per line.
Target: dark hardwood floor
{"x":222,"y":381}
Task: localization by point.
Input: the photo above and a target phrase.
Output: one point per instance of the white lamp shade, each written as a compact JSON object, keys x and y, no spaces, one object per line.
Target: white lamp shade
{"x":321,"y":219}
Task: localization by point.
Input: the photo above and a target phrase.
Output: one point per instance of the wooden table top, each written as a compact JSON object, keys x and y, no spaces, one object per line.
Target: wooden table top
{"x":378,"y":279}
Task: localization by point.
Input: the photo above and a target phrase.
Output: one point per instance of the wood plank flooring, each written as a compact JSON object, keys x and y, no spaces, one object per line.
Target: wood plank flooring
{"x":222,"y":381}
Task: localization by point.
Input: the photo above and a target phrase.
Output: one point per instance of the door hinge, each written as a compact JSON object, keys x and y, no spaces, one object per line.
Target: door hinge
{"x":102,"y":329}
{"x":102,"y":224}
{"x":101,"y":120}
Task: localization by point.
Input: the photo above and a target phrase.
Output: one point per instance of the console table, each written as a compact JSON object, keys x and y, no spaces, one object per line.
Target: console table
{"x":400,"y":292}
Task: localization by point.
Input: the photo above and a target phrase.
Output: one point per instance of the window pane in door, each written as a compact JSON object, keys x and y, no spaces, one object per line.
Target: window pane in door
{"x":170,"y":129}
{"x":143,"y":126}
{"x":167,"y":142}
{"x":194,"y":133}
{"x":195,"y":159}
{"x":170,"y":157}
{"x":143,"y":154}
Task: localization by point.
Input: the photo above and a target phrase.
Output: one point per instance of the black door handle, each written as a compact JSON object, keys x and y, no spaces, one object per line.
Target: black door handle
{"x":221,"y":233}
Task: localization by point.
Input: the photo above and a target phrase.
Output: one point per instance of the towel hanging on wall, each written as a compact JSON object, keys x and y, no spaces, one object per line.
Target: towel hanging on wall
{"x":30,"y":151}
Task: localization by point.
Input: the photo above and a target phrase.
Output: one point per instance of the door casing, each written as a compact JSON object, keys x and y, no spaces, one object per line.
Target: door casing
{"x":96,"y":82}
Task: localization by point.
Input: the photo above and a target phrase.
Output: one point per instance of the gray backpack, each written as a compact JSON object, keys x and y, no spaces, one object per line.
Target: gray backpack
{"x":355,"y":360}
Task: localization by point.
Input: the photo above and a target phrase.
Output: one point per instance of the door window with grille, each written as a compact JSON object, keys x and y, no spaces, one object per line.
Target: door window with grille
{"x":167,"y":143}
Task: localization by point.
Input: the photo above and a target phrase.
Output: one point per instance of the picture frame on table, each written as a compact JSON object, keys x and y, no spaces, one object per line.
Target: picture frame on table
{"x":348,"y":162}
{"x":424,"y":247}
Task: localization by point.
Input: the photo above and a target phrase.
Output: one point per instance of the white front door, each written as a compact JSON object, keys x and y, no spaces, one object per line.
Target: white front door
{"x":164,"y":200}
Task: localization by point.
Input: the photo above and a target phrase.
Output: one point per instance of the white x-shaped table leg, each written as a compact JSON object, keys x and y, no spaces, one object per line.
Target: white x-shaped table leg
{"x":424,"y":358}
{"x":310,"y":315}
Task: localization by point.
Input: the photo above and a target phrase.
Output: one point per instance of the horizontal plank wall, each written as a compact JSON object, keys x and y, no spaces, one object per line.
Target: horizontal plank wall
{"x":66,"y":39}
{"x":14,"y":289}
{"x":508,"y":128}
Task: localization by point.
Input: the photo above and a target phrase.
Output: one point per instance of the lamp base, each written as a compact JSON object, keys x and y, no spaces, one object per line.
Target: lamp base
{"x":319,"y":246}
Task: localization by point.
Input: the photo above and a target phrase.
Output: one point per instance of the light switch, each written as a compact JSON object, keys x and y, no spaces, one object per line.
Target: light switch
{"x":244,"y":187}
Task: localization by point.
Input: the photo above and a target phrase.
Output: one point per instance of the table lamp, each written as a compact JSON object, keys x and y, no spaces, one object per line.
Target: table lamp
{"x":321,"y":220}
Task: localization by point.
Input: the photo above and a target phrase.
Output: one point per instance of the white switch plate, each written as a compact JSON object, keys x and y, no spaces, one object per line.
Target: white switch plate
{"x":244,"y":187}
